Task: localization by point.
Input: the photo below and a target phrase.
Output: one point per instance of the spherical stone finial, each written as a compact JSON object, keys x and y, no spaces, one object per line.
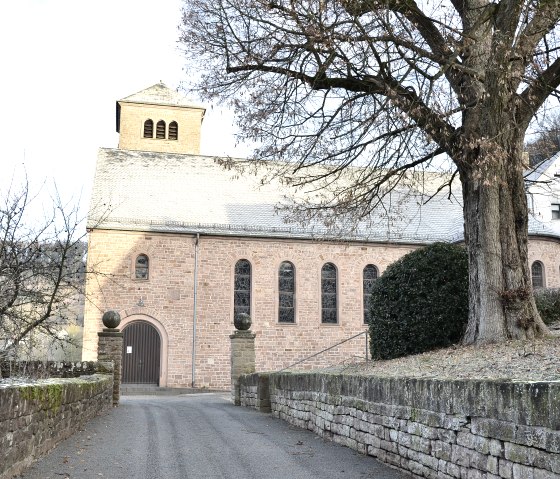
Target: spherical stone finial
{"x":242,"y":322}
{"x":111,"y":319}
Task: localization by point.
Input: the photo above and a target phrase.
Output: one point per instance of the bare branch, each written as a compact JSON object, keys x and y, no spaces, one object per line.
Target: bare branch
{"x":536,"y":93}
{"x":544,"y":19}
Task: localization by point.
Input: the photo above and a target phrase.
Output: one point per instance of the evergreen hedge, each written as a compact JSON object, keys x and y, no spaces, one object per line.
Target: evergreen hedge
{"x":548,"y":304}
{"x":420,"y":302}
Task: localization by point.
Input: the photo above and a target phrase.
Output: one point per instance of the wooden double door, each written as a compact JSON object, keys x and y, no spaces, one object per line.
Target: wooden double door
{"x":141,"y":354}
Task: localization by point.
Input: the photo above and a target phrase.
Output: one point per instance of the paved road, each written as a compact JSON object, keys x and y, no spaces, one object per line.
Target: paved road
{"x":199,"y":436}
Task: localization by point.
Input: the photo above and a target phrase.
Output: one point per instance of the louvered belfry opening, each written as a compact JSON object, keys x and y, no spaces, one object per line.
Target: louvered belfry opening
{"x":148,"y":129}
{"x":173,"y":130}
{"x":141,"y":354}
{"x":160,"y":129}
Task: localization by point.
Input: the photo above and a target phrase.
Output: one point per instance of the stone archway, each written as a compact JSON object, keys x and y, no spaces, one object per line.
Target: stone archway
{"x":146,"y":329}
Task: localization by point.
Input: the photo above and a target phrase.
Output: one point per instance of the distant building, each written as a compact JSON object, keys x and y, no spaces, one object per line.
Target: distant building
{"x":181,"y":240}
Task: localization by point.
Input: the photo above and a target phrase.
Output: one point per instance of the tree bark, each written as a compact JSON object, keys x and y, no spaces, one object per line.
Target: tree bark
{"x":489,"y":159}
{"x":501,"y":303}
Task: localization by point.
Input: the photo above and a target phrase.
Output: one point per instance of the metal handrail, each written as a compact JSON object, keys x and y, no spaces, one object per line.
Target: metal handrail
{"x":327,"y":349}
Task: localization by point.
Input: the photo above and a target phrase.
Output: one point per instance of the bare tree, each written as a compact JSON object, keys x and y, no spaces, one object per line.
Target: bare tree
{"x":389,"y":85}
{"x":545,"y":142}
{"x":42,"y":270}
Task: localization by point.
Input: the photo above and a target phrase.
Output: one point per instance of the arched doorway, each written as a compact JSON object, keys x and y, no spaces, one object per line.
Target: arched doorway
{"x":141,"y":354}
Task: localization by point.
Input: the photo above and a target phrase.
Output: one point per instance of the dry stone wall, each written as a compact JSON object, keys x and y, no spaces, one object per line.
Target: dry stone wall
{"x":34,"y":418}
{"x":432,"y":428}
{"x":50,"y":369}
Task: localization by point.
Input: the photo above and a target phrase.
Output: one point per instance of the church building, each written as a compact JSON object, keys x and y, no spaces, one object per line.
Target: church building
{"x":181,"y":245}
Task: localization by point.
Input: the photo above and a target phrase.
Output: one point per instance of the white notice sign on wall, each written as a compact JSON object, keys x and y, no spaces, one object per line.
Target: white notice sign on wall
{"x":129,"y":350}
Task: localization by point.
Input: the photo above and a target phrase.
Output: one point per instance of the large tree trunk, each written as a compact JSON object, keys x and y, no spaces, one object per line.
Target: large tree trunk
{"x":489,"y":158}
{"x":501,"y":302}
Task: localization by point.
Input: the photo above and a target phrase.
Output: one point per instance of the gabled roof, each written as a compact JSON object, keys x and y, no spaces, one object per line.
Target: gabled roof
{"x":544,"y":170}
{"x":160,"y":94}
{"x":176,"y":193}
{"x":146,"y":191}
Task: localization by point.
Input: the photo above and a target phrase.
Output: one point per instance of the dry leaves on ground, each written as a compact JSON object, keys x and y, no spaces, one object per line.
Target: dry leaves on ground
{"x":531,"y":360}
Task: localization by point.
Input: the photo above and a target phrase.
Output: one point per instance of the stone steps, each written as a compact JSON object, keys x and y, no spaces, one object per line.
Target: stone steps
{"x":154,"y":390}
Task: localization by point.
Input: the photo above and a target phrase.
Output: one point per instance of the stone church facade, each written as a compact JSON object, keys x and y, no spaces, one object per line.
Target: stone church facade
{"x":181,"y":245}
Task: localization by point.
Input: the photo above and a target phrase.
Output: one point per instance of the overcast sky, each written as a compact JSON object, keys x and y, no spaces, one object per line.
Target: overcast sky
{"x":64,"y":64}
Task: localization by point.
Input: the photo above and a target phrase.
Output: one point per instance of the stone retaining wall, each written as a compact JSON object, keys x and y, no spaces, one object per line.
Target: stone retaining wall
{"x":253,"y":390}
{"x":433,"y":428}
{"x":35,"y":417}
{"x":48,"y":369}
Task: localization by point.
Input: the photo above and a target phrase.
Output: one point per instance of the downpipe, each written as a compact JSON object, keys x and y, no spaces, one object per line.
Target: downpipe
{"x":195,"y":291}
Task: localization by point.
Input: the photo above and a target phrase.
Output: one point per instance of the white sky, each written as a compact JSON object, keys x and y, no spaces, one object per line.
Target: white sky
{"x":64,"y":64}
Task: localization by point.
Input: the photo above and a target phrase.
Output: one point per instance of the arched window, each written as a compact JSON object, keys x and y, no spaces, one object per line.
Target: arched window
{"x":173,"y":130}
{"x":242,"y":288}
{"x":141,"y":268}
{"x":370,"y":275}
{"x":148,"y":129}
{"x":286,"y":292}
{"x":328,"y":294}
{"x":160,"y":129}
{"x":537,"y":274}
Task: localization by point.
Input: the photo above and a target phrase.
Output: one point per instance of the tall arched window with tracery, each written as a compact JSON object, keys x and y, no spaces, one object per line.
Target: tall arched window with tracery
{"x":286,"y":293}
{"x":173,"y":130}
{"x":148,"y":129}
{"x":537,"y":274}
{"x":242,"y":288}
{"x":329,"y":294}
{"x":160,"y":130}
{"x":141,"y":267}
{"x":369,"y":277}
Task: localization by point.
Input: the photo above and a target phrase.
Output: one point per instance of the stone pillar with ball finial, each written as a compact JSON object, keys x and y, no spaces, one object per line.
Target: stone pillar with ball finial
{"x":110,"y":349}
{"x":242,"y":353}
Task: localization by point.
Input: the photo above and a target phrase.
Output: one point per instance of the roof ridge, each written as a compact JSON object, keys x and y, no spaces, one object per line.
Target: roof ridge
{"x":160,"y":94}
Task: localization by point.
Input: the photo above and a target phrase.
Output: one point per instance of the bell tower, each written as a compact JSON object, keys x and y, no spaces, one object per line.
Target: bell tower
{"x":159,"y":119}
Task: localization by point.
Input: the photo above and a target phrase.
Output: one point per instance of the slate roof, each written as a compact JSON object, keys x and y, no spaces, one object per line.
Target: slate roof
{"x":538,"y":228}
{"x":537,"y":172}
{"x":176,"y":193}
{"x":160,"y":94}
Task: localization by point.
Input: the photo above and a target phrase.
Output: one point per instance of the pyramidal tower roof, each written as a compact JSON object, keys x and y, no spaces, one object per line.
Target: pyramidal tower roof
{"x":160,"y":94}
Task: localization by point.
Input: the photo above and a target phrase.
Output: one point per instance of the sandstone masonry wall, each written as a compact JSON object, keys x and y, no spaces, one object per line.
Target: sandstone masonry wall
{"x":545,"y":250}
{"x":110,"y":349}
{"x":133,"y":116}
{"x":433,"y":428}
{"x":166,"y":297}
{"x":35,"y":418}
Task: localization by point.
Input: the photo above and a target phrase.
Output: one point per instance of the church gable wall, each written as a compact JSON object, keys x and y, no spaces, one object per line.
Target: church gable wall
{"x":165,"y":296}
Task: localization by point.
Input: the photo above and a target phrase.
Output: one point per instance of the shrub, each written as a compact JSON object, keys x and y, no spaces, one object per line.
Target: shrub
{"x":548,"y":304}
{"x":420,"y":302}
